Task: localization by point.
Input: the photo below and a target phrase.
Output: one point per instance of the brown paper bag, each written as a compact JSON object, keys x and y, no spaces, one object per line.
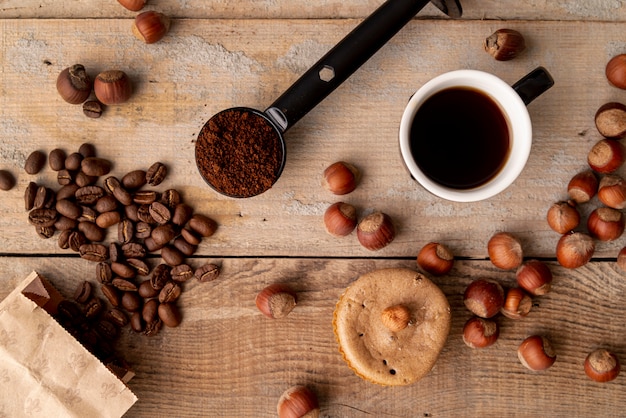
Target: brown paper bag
{"x":44,"y":371}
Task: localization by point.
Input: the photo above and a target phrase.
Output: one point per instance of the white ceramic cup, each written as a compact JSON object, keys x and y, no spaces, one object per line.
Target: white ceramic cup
{"x":513,"y":107}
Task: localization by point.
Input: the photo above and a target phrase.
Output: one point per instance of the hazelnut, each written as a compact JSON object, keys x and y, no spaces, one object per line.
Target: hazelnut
{"x":602,"y":366}
{"x":340,"y":219}
{"x":396,"y":318}
{"x":616,"y":71}
{"x":505,"y":251}
{"x":583,"y":186}
{"x":612,"y":191}
{"x":535,"y":277}
{"x":276,"y":301}
{"x":298,"y":402}
{"x":563,"y":217}
{"x":606,"y":156}
{"x":621,"y":259}
{"x":610,"y":120}
{"x":605,"y":224}
{"x":517,"y":304}
{"x":340,"y":178}
{"x":112,"y":87}
{"x":480,"y":332}
{"x":484,"y":298}
{"x":536,"y":353}
{"x":375,"y":231}
{"x":133,"y":5}
{"x":151,"y":26}
{"x":574,"y":249}
{"x":505,"y":44}
{"x":74,"y":84}
{"x":435,"y":259}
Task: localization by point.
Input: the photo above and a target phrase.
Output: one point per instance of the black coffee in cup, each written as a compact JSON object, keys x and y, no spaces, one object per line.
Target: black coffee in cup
{"x":460,"y":138}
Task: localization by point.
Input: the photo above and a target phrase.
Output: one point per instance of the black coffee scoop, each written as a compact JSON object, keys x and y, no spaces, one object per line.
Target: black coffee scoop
{"x":241,"y":152}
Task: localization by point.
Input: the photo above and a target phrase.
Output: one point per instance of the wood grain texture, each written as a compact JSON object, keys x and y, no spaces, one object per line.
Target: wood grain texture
{"x":227,"y":359}
{"x":204,"y":66}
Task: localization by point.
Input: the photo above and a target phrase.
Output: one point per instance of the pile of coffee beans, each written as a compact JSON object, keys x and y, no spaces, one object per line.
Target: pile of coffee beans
{"x":148,"y":222}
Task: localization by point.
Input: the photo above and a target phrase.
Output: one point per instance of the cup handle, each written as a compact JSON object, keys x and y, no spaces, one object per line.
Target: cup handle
{"x":533,"y":84}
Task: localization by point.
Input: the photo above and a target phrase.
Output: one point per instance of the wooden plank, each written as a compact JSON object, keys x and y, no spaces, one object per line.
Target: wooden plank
{"x":204,"y":66}
{"x":226,"y":359}
{"x":324,"y":9}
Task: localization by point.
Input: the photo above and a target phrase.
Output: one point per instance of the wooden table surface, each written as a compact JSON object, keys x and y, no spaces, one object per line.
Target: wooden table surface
{"x":226,"y":359}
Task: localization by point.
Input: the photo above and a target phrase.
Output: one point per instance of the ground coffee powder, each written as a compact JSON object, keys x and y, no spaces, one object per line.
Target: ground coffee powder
{"x":239,"y":153}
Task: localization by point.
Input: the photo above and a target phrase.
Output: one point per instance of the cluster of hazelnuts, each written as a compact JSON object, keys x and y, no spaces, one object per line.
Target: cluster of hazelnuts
{"x":486,"y":298}
{"x":606,"y":223}
{"x":374,"y":231}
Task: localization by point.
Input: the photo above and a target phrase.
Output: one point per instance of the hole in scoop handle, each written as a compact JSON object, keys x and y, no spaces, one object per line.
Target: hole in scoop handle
{"x":533,"y":84}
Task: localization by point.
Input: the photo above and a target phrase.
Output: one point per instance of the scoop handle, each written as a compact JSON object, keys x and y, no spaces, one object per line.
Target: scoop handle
{"x":342,"y":61}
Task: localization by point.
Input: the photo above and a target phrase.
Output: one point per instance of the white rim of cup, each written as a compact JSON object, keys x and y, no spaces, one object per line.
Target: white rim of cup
{"x":519,"y":122}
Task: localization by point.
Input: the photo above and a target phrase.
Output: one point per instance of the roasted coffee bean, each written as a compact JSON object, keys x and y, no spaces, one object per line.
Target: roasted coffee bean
{"x":123,"y":270}
{"x":29,"y":195}
{"x":146,"y":291}
{"x":171,"y":198}
{"x":93,"y":252}
{"x":160,"y":275}
{"x":118,"y":191}
{"x":95,"y":166}
{"x":7,"y":180}
{"x":207,"y":272}
{"x":82,"y":180}
{"x":181,"y":273}
{"x":152,"y":328}
{"x":42,"y":217}
{"x":191,"y":237}
{"x":93,"y":308}
{"x":145,"y":197}
{"x":112,"y":294}
{"x":163,"y":234}
{"x":76,"y":240}
{"x":137,"y":323}
{"x":41,"y":197}
{"x":108,"y":219}
{"x":131,"y":212}
{"x":82,"y":292}
{"x":152,"y":246}
{"x":56,"y":159}
{"x":87,"y":150}
{"x":123,"y":284}
{"x":45,"y":232}
{"x":89,"y":195}
{"x":125,"y":231}
{"x":114,"y":251}
{"x":67,"y":192}
{"x":117,"y":316}
{"x":68,"y":311}
{"x":68,"y":208}
{"x":184,"y":247}
{"x":156,"y":174}
{"x":104,"y":274}
{"x":106,"y":329}
{"x":72,"y":162}
{"x":92,"y":109}
{"x":134,"y":179}
{"x":133,"y":250}
{"x":106,"y":203}
{"x":64,"y":239}
{"x":149,"y":311}
{"x":170,"y":292}
{"x":172,"y":256}
{"x":142,"y":230}
{"x":139,"y":265}
{"x":143,"y":214}
{"x":169,"y":314}
{"x":131,"y":301}
{"x":203,"y":225}
{"x":160,"y":213}
{"x":88,"y":215}
{"x":92,"y":231}
{"x":35,"y":162}
{"x":63,"y":223}
{"x":182,"y":214}
{"x":65,"y":177}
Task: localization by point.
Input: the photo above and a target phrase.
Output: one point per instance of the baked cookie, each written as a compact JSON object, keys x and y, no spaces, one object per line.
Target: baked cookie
{"x":391,"y":325}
